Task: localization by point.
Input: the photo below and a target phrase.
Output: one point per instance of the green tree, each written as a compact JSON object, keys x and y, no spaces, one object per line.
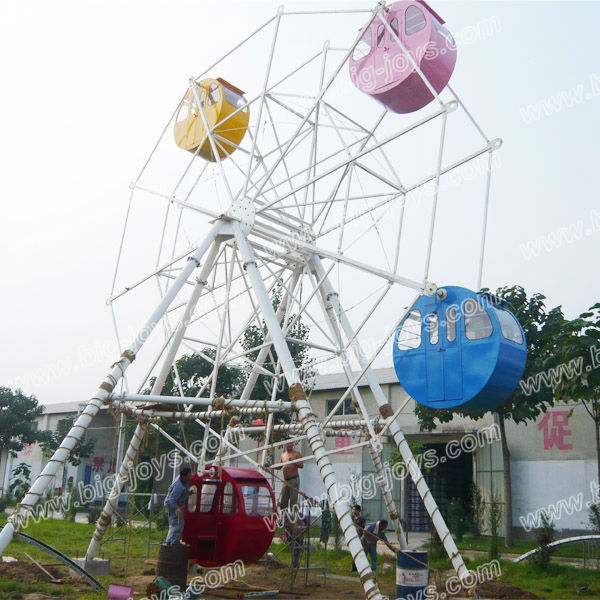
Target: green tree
{"x":494,"y":517}
{"x":543,"y":331}
{"x":193,"y":370}
{"x":580,"y":347}
{"x":255,"y":335}
{"x":18,"y":414}
{"x":545,"y":534}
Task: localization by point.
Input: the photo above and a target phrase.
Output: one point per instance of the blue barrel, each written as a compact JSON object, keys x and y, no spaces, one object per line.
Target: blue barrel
{"x":412,"y":575}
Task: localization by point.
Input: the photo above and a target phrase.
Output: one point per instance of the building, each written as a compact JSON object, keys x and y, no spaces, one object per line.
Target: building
{"x":553,"y":460}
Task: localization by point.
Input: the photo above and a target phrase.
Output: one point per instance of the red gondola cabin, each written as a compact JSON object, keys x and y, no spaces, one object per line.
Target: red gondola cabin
{"x":227,"y":516}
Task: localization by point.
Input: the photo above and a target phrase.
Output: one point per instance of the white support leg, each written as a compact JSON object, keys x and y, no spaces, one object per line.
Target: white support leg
{"x":380,"y":477}
{"x":308,"y":420}
{"x":253,"y":377}
{"x":386,"y":411}
{"x":142,"y":427}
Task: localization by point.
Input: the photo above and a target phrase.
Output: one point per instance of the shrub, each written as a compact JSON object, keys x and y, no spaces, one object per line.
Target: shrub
{"x":436,"y":548}
{"x":545,"y":535}
{"x":457,"y":517}
{"x":477,"y":511}
{"x":594,"y":518}
{"x":494,"y":515}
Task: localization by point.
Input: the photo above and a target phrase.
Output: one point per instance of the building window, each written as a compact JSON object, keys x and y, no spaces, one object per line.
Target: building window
{"x":347,"y":407}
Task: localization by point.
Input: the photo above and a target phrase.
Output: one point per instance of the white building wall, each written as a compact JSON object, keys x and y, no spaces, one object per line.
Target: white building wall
{"x":563,"y":486}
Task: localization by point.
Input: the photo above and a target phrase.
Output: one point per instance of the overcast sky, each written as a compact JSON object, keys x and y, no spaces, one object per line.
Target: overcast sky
{"x":87,"y":87}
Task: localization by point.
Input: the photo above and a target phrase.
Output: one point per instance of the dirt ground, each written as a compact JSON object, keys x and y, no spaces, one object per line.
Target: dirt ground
{"x":26,"y":572}
{"x":258,"y":578}
{"x":496,"y":589}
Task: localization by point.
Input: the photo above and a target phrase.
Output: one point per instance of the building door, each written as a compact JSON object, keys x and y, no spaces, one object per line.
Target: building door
{"x":450,"y":479}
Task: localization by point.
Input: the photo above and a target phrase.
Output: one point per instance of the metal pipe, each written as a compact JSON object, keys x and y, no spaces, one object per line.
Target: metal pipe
{"x":261,"y":404}
{"x":308,"y":419}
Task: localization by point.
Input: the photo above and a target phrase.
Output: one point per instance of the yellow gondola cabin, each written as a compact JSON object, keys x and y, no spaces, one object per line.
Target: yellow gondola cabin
{"x":222,"y":105}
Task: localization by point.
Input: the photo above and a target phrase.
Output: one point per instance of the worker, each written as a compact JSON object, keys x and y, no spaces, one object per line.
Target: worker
{"x":176,"y":497}
{"x":291,"y":475}
{"x":359,"y":523}
{"x":374,"y":532}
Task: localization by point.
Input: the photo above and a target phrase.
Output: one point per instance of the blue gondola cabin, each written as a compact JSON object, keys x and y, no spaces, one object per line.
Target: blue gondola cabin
{"x":460,"y":349}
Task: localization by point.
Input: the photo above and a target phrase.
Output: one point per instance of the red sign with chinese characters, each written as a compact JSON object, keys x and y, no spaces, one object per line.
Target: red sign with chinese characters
{"x":554,"y":424}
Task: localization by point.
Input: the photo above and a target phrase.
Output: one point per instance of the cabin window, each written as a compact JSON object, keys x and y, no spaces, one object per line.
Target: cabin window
{"x":214,"y":94}
{"x":233,"y":98}
{"x":445,"y":33}
{"x":202,"y":97}
{"x":477,"y":322}
{"x":363,"y":47}
{"x":509,"y":325}
{"x":229,"y":501}
{"x":410,"y":334}
{"x":414,"y":20}
{"x":432,"y":326}
{"x":380,"y":35}
{"x":451,"y":319}
{"x":184,"y":111}
{"x":192,"y":498}
{"x":207,"y":497}
{"x":395,"y":28}
{"x":257,"y":501}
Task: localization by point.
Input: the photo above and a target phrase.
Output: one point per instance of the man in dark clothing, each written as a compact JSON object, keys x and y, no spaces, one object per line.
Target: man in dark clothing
{"x":372,"y":534}
{"x":176,"y":497}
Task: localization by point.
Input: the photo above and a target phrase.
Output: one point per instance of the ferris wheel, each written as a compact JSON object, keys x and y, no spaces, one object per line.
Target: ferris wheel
{"x":321,"y":164}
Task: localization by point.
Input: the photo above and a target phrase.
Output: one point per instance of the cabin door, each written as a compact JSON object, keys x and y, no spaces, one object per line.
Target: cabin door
{"x":434,"y":357}
{"x":208,"y":520}
{"x":452,"y":355}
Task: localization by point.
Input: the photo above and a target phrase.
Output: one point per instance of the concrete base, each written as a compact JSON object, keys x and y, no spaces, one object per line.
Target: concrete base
{"x":96,"y":566}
